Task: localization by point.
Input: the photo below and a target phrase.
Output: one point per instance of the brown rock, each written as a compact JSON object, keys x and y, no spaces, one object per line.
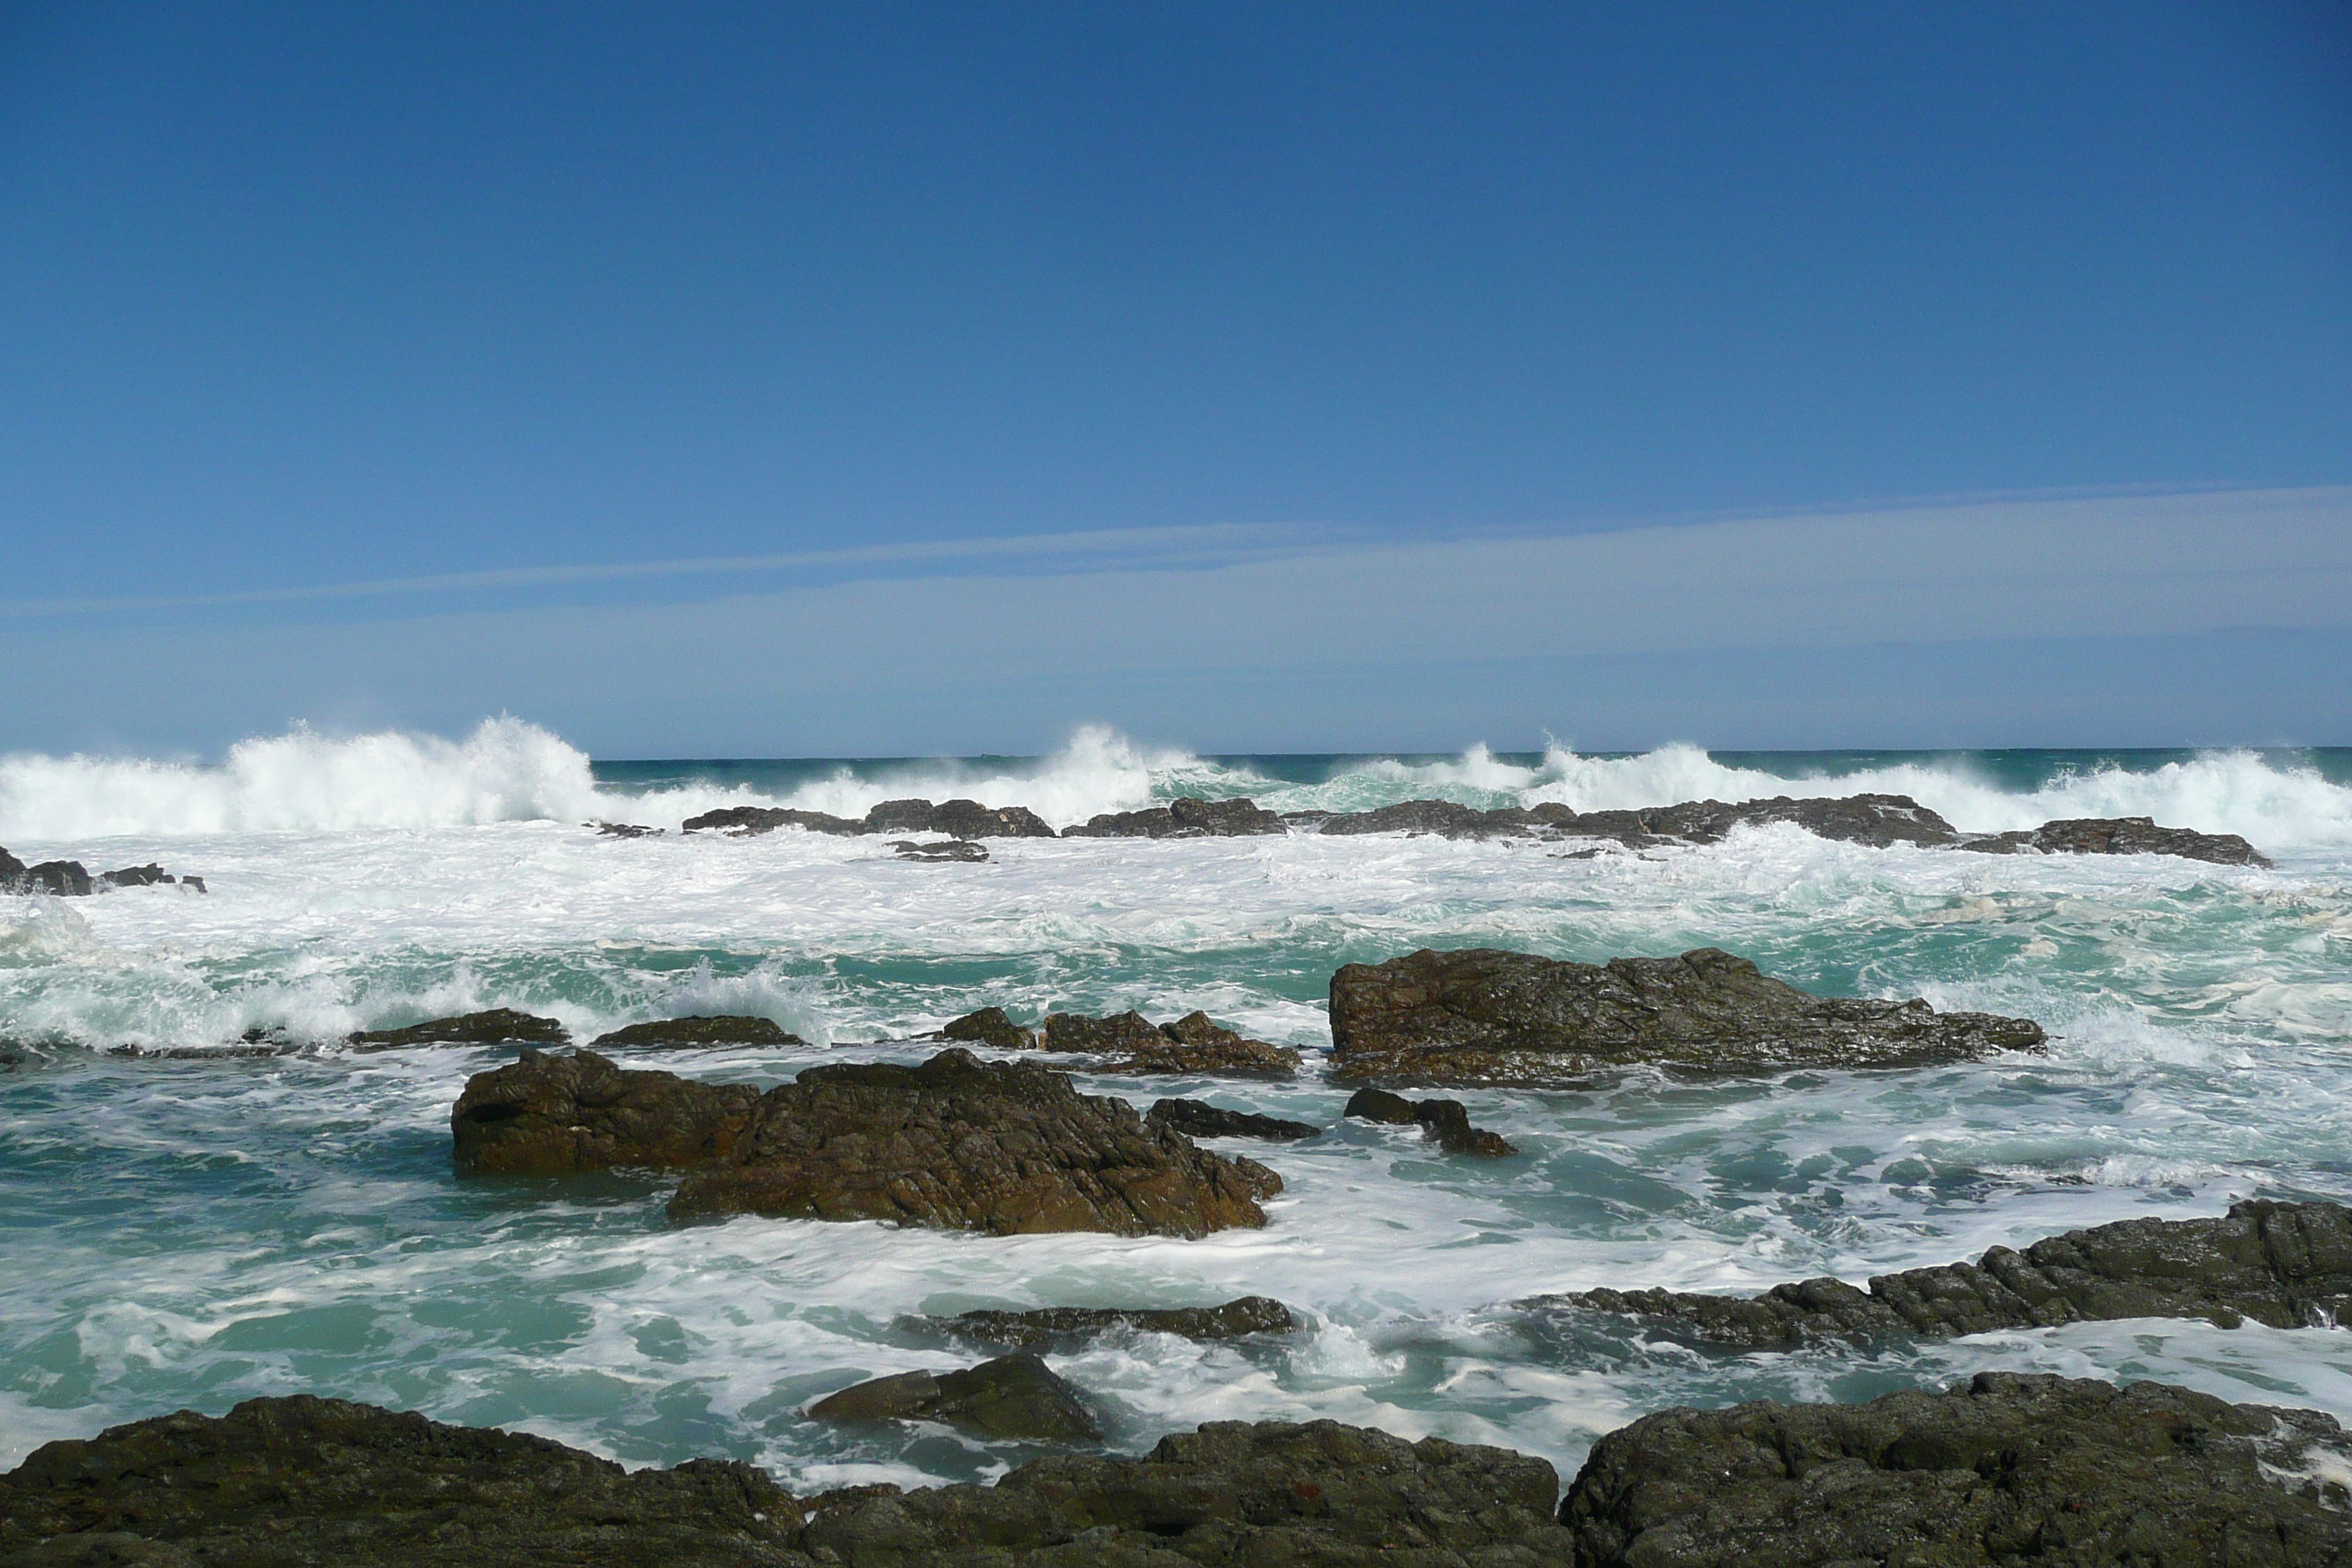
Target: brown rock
{"x":547,"y":1115}
{"x":1017,"y":1395}
{"x":1445,"y":1122}
{"x":1190,"y":1045}
{"x":991,"y":1027}
{"x":1046,"y":1327}
{"x":725,"y":1029}
{"x":498,"y":1026}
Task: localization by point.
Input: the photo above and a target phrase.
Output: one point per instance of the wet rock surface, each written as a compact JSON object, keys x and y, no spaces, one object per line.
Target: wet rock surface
{"x":2121,"y":836}
{"x":278,"y":1483}
{"x":958,"y":1143}
{"x":72,"y":879}
{"x":957,"y":819}
{"x":941,"y":850}
{"x":1192,"y":1043}
{"x":2288,"y":1266}
{"x":2007,"y":1468}
{"x":548,"y":1115}
{"x":497,"y":1027}
{"x":1484,"y":1016}
{"x":1446,"y":1122}
{"x":1198,"y":1119}
{"x":625,"y":830}
{"x":1045,"y":1328}
{"x":991,"y":1027}
{"x":1184,"y":818}
{"x":748,"y":821}
{"x":1017,"y":1395}
{"x":724,"y":1029}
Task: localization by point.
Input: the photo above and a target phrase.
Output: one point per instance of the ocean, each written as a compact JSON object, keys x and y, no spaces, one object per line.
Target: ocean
{"x":188,"y":1232}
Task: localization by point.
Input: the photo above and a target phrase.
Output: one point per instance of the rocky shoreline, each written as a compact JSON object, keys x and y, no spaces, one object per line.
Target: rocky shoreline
{"x":2002,"y":1469}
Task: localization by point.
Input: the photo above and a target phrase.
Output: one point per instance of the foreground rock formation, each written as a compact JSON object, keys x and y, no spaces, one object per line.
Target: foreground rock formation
{"x":1445,"y":1122}
{"x":548,"y":1115}
{"x":498,"y":1026}
{"x":1044,"y":1328}
{"x":1017,"y":1395}
{"x":1192,"y":1043}
{"x":1484,"y":1016}
{"x":2003,"y":1470}
{"x":72,"y":879}
{"x":2285,"y":1265}
{"x":297,"y":1482}
{"x":962,"y":1144}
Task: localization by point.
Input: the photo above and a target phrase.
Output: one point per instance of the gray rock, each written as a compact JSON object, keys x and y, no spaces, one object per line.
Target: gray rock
{"x":749,"y":821}
{"x":1445,"y":1122}
{"x":2285,"y":1265}
{"x":957,"y":819}
{"x":1198,"y":1119}
{"x":1486,"y":1017}
{"x":1184,"y":818}
{"x":940,"y":850}
{"x":991,"y":1027}
{"x":963,"y":1144}
{"x":2003,"y":1470}
{"x":1045,"y":1328}
{"x":498,"y":1026}
{"x":2120,"y":836}
{"x":725,"y":1029}
{"x":547,"y":1115}
{"x":1017,"y":1395}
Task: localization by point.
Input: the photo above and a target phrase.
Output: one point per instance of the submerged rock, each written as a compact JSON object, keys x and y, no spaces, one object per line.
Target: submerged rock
{"x":2004,"y":1468}
{"x":1198,"y":1119}
{"x":991,"y":1027}
{"x":962,"y":1144}
{"x":1190,"y":1045}
{"x":625,"y":830}
{"x":546,"y":1115}
{"x":725,"y":1029}
{"x":1017,"y":1395}
{"x":2121,"y":836}
{"x":2288,"y":1266}
{"x":1184,"y":818}
{"x":291,"y":1482}
{"x":941,"y":850}
{"x":1046,"y":1327}
{"x":498,"y":1026}
{"x":1446,"y":1122}
{"x":1484,"y":1016}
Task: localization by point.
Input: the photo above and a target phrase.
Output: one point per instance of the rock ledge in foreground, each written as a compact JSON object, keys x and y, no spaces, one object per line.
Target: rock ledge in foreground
{"x":1484,"y":1016}
{"x":2288,"y":1266}
{"x":2006,"y":1468}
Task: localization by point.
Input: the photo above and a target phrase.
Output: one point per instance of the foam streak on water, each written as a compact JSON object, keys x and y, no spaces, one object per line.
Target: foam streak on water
{"x":190,"y":1233}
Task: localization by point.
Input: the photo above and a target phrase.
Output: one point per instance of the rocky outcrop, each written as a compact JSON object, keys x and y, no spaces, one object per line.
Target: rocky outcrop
{"x":498,"y":1026}
{"x":546,"y":1115}
{"x":2120,"y":836}
{"x":940,"y":850}
{"x":1190,"y":1045}
{"x":2006,"y":1468}
{"x":2285,"y":1265}
{"x":625,"y":830}
{"x":1045,"y":1328}
{"x":990,"y":1026}
{"x":957,"y":819}
{"x":962,"y":1144}
{"x":1198,"y":1119}
{"x":1445,"y":1122}
{"x":748,"y":821}
{"x":1184,"y":818}
{"x":1484,"y":1016}
{"x":72,"y":879}
{"x":1017,"y":1395}
{"x":725,"y":1029}
{"x":293,"y":1482}
{"x":1874,"y":819}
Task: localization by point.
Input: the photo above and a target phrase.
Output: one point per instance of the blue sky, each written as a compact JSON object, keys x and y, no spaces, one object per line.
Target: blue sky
{"x":915,"y":378}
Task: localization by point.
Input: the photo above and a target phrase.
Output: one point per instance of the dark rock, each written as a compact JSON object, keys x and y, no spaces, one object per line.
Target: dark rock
{"x":943,"y":850}
{"x":1484,"y":1016}
{"x":1191,"y":1044}
{"x":1442,"y":817}
{"x":11,"y":871}
{"x":2285,"y":1265}
{"x":1445,"y":1122}
{"x":65,"y":878}
{"x":748,"y":821}
{"x":991,"y":1027}
{"x":956,"y":819}
{"x":1046,"y":1327}
{"x":193,"y":885}
{"x":2120,"y":836}
{"x":625,"y":830}
{"x":297,"y":1482}
{"x":1017,"y":1395}
{"x":546,"y":1115}
{"x":498,"y":1026}
{"x":2006,"y":1468}
{"x":1198,"y":1119}
{"x":962,"y":1144}
{"x":729,"y":1029}
{"x":147,"y":875}
{"x":280,"y":1483}
{"x":1184,"y":818}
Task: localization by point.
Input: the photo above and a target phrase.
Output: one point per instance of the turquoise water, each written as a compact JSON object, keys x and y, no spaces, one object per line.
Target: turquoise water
{"x":192,"y":1232}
